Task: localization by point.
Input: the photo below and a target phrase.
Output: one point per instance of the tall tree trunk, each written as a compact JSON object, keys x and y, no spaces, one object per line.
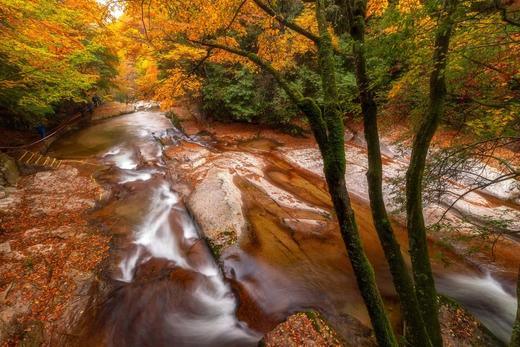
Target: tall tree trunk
{"x":416,"y":333}
{"x":365,"y":276}
{"x":328,"y":129}
{"x":515,"y":338}
{"x":334,"y":169}
{"x":424,"y":282}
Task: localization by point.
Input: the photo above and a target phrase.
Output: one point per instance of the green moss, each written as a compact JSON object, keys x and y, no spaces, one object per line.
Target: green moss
{"x":215,"y":248}
{"x":449,"y":302}
{"x":229,"y":238}
{"x":315,"y":319}
{"x":33,"y":335}
{"x":28,"y":264}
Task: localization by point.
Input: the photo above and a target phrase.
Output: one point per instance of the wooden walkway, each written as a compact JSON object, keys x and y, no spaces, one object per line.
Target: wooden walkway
{"x":37,"y":160}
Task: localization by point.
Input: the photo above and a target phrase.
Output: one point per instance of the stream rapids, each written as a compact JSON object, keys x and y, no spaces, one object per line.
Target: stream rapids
{"x":162,"y":285}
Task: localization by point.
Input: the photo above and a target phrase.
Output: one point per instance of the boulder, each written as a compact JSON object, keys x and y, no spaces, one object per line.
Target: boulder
{"x":9,"y":174}
{"x":304,"y":329}
{"x":5,"y":248}
{"x":216,"y":205}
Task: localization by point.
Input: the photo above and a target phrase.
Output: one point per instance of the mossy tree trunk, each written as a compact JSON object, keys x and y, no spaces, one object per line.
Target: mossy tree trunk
{"x":515,"y":338}
{"x":328,"y":129}
{"x":422,"y":272}
{"x":334,"y":169}
{"x":416,"y":334}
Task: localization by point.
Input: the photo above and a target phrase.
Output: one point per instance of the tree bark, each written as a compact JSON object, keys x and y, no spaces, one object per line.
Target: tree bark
{"x":363,"y":270}
{"x":422,"y":272}
{"x":416,"y":333}
{"x":334,"y":169}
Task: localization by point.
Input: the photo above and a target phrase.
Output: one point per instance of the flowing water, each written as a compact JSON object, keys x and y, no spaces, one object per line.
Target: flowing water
{"x":165,"y":285}
{"x":162,"y":286}
{"x":495,"y":307}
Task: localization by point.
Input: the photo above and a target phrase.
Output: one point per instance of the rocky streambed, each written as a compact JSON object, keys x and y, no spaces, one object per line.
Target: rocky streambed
{"x":291,"y":244}
{"x":218,"y":236}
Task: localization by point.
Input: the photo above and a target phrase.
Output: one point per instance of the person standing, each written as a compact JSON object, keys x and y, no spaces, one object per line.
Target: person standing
{"x":42,"y":131}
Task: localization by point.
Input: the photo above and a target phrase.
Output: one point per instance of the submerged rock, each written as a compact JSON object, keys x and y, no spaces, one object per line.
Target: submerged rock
{"x":216,"y":205}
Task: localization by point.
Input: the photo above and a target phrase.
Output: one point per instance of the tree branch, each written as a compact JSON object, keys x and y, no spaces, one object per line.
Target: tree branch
{"x":208,"y":52}
{"x":295,"y":27}
{"x":294,"y":95}
{"x":476,"y":188}
{"x":503,"y":12}
{"x":291,"y":25}
{"x":306,"y":105}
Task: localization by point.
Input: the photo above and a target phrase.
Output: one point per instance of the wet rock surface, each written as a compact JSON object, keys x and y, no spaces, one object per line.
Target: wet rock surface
{"x":490,"y":210}
{"x":287,"y":255}
{"x":287,"y":206}
{"x":216,"y":204}
{"x":160,"y":284}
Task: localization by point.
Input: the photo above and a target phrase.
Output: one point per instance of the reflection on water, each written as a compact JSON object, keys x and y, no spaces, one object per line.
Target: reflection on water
{"x":133,"y":129}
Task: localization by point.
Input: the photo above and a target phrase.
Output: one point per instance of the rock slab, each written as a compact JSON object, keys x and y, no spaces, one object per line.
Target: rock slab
{"x":216,"y":205}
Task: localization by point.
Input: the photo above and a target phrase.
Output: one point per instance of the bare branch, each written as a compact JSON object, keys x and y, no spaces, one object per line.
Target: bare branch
{"x":478,"y":187}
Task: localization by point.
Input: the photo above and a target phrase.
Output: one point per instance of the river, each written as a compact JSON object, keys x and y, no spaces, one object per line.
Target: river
{"x":161,"y":284}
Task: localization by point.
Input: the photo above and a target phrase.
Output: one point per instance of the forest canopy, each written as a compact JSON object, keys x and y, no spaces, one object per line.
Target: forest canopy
{"x":51,"y":52}
{"x":54,"y":52}
{"x":166,"y":45}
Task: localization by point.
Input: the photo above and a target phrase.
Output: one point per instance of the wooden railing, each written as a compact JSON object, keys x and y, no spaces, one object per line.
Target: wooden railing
{"x":34,"y":145}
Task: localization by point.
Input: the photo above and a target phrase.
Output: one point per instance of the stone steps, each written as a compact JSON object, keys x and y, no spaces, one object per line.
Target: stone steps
{"x":34,"y":159}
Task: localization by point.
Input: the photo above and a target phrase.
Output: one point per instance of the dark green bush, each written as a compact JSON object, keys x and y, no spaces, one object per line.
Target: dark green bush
{"x":235,"y":93}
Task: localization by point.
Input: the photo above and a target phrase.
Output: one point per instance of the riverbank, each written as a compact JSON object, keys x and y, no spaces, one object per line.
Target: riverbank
{"x":49,"y":254}
{"x":112,"y":109}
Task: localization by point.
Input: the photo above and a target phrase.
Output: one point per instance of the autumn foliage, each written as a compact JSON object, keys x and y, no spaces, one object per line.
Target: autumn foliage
{"x":51,"y":52}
